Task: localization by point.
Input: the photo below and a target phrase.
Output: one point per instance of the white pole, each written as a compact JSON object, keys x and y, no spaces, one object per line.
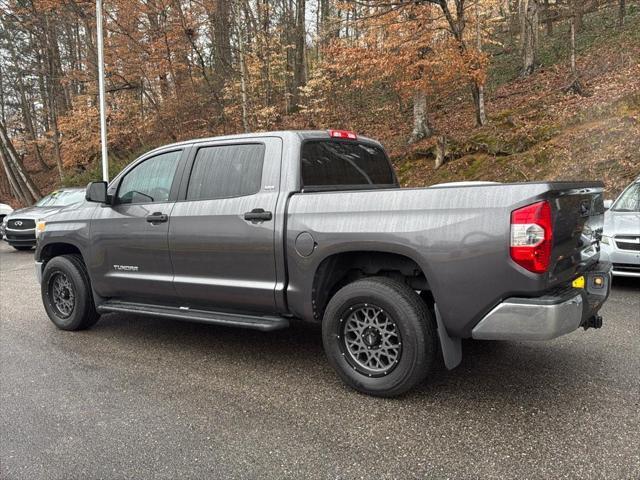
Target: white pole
{"x":103,"y":114}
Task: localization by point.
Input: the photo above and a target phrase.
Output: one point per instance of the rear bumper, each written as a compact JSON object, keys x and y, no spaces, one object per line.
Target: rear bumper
{"x":547,"y":317}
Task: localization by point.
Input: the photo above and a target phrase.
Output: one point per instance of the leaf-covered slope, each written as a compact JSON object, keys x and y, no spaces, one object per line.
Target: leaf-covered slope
{"x":538,"y":132}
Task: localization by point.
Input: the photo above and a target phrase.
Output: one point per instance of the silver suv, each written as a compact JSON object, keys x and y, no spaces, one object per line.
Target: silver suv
{"x":621,"y":232}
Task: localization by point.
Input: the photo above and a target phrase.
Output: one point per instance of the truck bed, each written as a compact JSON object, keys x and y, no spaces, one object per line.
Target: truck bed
{"x":458,"y":235}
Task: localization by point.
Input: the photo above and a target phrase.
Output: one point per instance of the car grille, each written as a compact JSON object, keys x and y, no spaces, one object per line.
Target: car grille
{"x":20,"y":237}
{"x":627,"y":267}
{"x":628,"y":242}
{"x":19,"y":224}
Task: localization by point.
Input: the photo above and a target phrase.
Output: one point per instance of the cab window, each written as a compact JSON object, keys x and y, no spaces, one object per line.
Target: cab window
{"x":226,"y":171}
{"x":150,"y":181}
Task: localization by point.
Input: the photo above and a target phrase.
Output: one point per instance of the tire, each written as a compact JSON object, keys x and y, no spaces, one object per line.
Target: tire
{"x":404,"y":358}
{"x":66,"y":293}
{"x":21,"y":248}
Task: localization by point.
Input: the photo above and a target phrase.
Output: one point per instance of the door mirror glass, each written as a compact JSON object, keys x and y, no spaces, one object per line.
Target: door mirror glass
{"x":607,"y":204}
{"x":97,"y":192}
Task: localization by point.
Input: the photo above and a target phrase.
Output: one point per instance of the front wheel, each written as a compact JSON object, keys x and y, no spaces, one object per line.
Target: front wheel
{"x":379,"y":336}
{"x":66,"y":293}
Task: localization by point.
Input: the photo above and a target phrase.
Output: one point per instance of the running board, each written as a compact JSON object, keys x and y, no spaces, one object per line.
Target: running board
{"x":264,"y":324}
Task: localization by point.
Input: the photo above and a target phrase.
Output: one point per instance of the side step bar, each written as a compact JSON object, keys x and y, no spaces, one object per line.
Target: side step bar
{"x":265,"y":324}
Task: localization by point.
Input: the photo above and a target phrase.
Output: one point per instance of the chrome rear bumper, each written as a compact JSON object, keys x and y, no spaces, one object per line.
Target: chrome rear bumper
{"x":549,"y":316}
{"x":519,"y":319}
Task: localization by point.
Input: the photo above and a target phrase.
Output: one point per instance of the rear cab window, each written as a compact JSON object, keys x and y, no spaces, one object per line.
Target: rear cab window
{"x":344,"y":165}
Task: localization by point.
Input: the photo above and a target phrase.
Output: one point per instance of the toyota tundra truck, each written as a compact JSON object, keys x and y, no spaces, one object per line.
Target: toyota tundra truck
{"x":261,"y":230}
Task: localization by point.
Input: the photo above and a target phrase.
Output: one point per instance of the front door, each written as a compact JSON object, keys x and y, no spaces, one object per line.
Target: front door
{"x":221,"y":233}
{"x":130,"y":250}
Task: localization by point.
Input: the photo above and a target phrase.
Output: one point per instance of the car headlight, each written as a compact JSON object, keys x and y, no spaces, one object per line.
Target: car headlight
{"x":40,"y":226}
{"x":606,"y":239}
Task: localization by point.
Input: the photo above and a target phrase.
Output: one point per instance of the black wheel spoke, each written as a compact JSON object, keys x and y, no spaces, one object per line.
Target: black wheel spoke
{"x":62,"y":294}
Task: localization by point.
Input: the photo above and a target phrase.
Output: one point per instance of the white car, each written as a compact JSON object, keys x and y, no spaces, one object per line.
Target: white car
{"x":4,"y":211}
{"x":621,"y":233}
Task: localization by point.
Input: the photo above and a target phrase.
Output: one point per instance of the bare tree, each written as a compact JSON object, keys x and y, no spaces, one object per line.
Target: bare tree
{"x":299,"y":66}
{"x":421,"y":127}
{"x":529,"y":21}
{"x":622,"y":12}
{"x":576,"y":85}
{"x":20,"y":181}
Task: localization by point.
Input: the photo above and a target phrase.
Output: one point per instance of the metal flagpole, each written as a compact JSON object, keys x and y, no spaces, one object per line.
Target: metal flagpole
{"x":103,"y":114}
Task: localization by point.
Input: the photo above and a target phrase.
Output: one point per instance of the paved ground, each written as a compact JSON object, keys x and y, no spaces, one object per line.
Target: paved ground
{"x":145,"y":398}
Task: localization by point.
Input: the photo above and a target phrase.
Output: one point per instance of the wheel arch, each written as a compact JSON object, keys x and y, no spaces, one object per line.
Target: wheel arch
{"x":55,"y":249}
{"x":340,"y":268}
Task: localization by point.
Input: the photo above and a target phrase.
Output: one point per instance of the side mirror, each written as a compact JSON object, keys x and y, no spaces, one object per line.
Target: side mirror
{"x":607,"y":204}
{"x":97,"y":192}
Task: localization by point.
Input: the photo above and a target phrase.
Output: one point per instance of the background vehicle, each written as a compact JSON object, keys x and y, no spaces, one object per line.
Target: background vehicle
{"x":621,"y":232}
{"x":256,"y":230}
{"x":4,"y":211}
{"x":20,"y":226}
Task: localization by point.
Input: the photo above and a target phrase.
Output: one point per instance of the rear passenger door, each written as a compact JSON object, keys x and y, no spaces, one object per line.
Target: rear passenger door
{"x":221,"y":234}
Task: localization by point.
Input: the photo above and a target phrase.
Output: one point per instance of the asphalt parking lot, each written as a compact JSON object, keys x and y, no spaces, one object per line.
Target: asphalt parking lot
{"x":148,"y":398}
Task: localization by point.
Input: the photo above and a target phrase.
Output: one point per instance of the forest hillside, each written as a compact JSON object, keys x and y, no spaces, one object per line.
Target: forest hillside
{"x":502,"y":90}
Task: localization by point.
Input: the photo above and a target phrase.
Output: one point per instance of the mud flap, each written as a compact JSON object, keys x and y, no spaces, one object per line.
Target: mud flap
{"x":451,"y":347}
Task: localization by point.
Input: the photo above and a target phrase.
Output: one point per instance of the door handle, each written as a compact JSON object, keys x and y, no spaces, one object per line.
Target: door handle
{"x":157,"y":217}
{"x":258,"y":215}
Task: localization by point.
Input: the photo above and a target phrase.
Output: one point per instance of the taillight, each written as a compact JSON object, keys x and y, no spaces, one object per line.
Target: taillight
{"x":343,"y":134}
{"x":532,"y":237}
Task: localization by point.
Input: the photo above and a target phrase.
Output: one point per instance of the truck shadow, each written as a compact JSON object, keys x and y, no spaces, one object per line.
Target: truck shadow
{"x":498,"y":373}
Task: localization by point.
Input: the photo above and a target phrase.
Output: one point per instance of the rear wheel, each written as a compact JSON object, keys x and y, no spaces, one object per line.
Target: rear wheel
{"x":379,"y":336}
{"x":22,"y":248}
{"x":66,"y":293}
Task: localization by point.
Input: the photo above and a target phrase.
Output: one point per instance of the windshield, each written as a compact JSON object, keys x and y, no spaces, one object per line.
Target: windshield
{"x":61,"y":198}
{"x":629,"y":201}
{"x":331,"y":164}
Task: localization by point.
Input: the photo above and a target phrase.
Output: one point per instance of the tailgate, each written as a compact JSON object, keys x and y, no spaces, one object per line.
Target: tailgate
{"x":578,"y":216}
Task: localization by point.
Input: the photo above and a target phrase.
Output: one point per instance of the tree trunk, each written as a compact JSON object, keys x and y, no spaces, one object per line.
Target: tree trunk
{"x":441,"y":151}
{"x":324,"y":30}
{"x":477,"y":89}
{"x":548,"y":18}
{"x":243,"y":82}
{"x":299,"y":67}
{"x":56,"y":142}
{"x":578,"y":15}
{"x":16,"y":190}
{"x":6,"y":190}
{"x":29,"y":191}
{"x":477,"y":92}
{"x":529,"y":19}
{"x":421,"y":127}
{"x":222,"y":37}
{"x":575,"y":86}
{"x":25,"y":107}
{"x":2,"y":102}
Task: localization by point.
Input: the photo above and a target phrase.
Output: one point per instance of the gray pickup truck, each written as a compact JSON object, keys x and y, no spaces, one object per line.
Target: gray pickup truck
{"x":259,"y":230}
